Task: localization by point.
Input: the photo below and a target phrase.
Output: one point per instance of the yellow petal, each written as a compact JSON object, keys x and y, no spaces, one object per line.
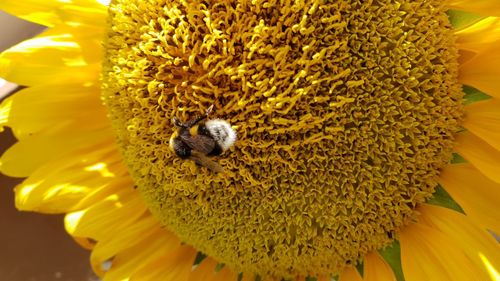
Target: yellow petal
{"x":101,"y":219}
{"x":85,"y":243}
{"x":480,"y":35}
{"x":427,"y":254}
{"x":60,"y":185}
{"x":174,"y":266}
{"x":49,"y":199}
{"x":375,"y":268}
{"x":480,"y":154}
{"x":472,"y":240}
{"x":483,"y":7}
{"x":51,"y":12}
{"x":350,"y":274}
{"x":5,"y":107}
{"x":24,"y":157}
{"x":70,"y":54}
{"x":61,"y":45}
{"x":108,"y":188}
{"x":130,"y":260}
{"x":492,"y":271}
{"x":28,"y":74}
{"x":125,"y":237}
{"x":475,"y":193}
{"x":483,"y":120}
{"x":481,"y":71}
{"x":27,"y":113}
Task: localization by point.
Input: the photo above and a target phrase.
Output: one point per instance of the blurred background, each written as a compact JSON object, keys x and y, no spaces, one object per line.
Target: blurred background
{"x":33,"y":247}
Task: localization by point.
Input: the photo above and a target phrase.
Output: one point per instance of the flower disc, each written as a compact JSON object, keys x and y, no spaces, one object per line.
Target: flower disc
{"x":345,"y":112}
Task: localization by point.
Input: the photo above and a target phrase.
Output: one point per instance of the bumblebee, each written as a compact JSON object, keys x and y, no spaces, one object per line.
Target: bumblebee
{"x":198,"y":139}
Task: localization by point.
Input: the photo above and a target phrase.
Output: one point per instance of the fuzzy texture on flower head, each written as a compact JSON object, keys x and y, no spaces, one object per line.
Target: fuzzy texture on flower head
{"x":71,"y":159}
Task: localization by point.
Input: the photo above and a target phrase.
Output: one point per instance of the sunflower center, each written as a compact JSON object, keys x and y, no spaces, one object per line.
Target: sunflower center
{"x":344,"y":110}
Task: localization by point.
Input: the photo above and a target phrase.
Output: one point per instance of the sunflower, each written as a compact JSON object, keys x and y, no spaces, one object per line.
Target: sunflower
{"x":368,"y":136}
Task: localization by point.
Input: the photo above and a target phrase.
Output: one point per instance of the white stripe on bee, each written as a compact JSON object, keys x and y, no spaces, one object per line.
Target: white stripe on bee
{"x":222,"y":133}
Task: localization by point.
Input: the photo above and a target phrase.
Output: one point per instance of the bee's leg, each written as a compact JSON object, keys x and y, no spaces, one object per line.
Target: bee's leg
{"x":204,"y":161}
{"x":209,"y":110}
{"x":193,"y":122}
{"x":178,"y":123}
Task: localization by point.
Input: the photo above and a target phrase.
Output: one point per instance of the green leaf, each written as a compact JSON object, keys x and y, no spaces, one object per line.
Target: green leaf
{"x":199,"y":258}
{"x":457,"y":159}
{"x":361,"y":269}
{"x":219,"y":267}
{"x":473,"y":95}
{"x":392,"y":255}
{"x":461,"y":19}
{"x":443,"y":199}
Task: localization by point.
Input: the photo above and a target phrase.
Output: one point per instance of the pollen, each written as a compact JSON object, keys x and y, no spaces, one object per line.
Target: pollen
{"x":345,"y":112}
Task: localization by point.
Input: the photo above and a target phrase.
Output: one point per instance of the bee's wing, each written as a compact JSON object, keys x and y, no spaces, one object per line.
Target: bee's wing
{"x":204,"y":161}
{"x":200,"y":143}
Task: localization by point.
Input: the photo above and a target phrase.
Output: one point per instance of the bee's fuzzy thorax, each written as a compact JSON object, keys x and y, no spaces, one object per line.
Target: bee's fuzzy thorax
{"x":221,"y":131}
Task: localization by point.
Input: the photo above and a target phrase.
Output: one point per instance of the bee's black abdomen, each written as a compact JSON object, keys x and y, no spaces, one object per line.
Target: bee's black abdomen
{"x":202,"y":130}
{"x":216,"y":151}
{"x":181,"y":149}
